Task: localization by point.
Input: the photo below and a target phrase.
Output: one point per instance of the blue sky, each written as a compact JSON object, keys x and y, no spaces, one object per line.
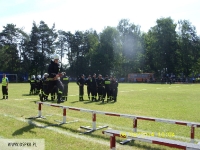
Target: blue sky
{"x":72,"y":15}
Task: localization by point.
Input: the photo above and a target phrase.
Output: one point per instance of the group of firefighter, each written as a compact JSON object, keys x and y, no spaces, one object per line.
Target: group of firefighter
{"x":98,"y":88}
{"x":56,"y":83}
{"x":39,"y":85}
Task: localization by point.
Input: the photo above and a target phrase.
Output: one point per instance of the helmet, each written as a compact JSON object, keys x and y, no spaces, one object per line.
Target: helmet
{"x":63,"y":73}
{"x":55,"y":56}
{"x":46,"y":75}
{"x":33,"y":76}
{"x":38,"y":76}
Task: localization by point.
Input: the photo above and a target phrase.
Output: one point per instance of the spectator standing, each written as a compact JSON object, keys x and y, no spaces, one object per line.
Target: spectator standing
{"x":5,"y":82}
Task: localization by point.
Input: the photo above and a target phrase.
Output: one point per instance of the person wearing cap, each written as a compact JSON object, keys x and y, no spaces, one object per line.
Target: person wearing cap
{"x":65,"y":81}
{"x":100,"y":83}
{"x":94,"y":87}
{"x":88,"y":83}
{"x":81,"y":83}
{"x":107,"y":89}
{"x":5,"y":82}
{"x":54,"y":80}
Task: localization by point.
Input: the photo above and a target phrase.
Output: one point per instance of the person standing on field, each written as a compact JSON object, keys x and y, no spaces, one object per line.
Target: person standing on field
{"x":94,"y":87}
{"x":107,"y":89}
{"x":114,"y":88}
{"x":88,"y":83}
{"x":5,"y":82}
{"x":100,"y":83}
{"x":32,"y":84}
{"x":81,"y":83}
{"x":65,"y":81}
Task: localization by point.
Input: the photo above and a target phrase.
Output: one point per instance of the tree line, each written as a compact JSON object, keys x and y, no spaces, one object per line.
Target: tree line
{"x":167,"y":48}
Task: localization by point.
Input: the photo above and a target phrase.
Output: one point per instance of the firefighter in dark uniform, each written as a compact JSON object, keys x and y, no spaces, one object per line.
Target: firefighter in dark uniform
{"x":53,"y":93}
{"x":45,"y":83}
{"x":38,"y":84}
{"x":111,"y":88}
{"x":100,"y":83}
{"x":81,"y":83}
{"x":88,"y":83}
{"x":54,"y":79}
{"x":32,"y":84}
{"x":107,"y":89}
{"x":94,"y":87}
{"x":65,"y":81}
{"x":114,"y":84}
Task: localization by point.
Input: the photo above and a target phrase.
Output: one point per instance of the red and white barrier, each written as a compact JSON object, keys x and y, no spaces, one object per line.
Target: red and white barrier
{"x":152,"y":140}
{"x":135,"y":118}
{"x":93,"y":124}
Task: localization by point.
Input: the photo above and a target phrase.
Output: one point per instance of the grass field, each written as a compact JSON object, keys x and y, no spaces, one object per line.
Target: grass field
{"x":176,"y":101}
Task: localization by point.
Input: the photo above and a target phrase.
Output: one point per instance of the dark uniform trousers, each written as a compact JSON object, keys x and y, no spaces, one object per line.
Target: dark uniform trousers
{"x":65,"y":92}
{"x":44,"y":87}
{"x":32,"y":83}
{"x":65,"y":81}
{"x":5,"y":92}
{"x":37,"y":86}
{"x":81,"y":92}
{"x":53,"y":93}
{"x":114,"y":90}
{"x":51,"y":85}
{"x":89,"y":91}
{"x":94,"y":89}
{"x":94,"y":93}
{"x":88,"y":83}
{"x":107,"y":90}
{"x":100,"y":93}
{"x":81,"y":83}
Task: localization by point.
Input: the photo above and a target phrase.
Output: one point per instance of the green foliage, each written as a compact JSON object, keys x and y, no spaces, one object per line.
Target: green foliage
{"x":167,"y":48}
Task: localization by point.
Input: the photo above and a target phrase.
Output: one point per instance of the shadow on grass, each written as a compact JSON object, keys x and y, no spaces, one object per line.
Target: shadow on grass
{"x":90,"y":134}
{"x":24,"y":129}
{"x":75,"y":102}
{"x":106,"y":103}
{"x":29,"y":94}
{"x":35,"y":101}
{"x":88,"y":102}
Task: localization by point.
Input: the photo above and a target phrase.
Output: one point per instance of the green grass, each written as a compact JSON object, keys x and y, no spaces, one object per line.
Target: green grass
{"x":176,"y":101}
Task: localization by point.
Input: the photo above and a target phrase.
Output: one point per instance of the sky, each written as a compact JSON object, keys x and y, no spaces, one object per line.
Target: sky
{"x":82,"y":15}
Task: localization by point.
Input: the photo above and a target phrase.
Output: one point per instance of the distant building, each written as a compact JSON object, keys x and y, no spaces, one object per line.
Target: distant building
{"x":141,"y":77}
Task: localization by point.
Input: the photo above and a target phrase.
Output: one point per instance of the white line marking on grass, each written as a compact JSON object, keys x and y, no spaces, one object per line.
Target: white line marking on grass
{"x":123,"y":91}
